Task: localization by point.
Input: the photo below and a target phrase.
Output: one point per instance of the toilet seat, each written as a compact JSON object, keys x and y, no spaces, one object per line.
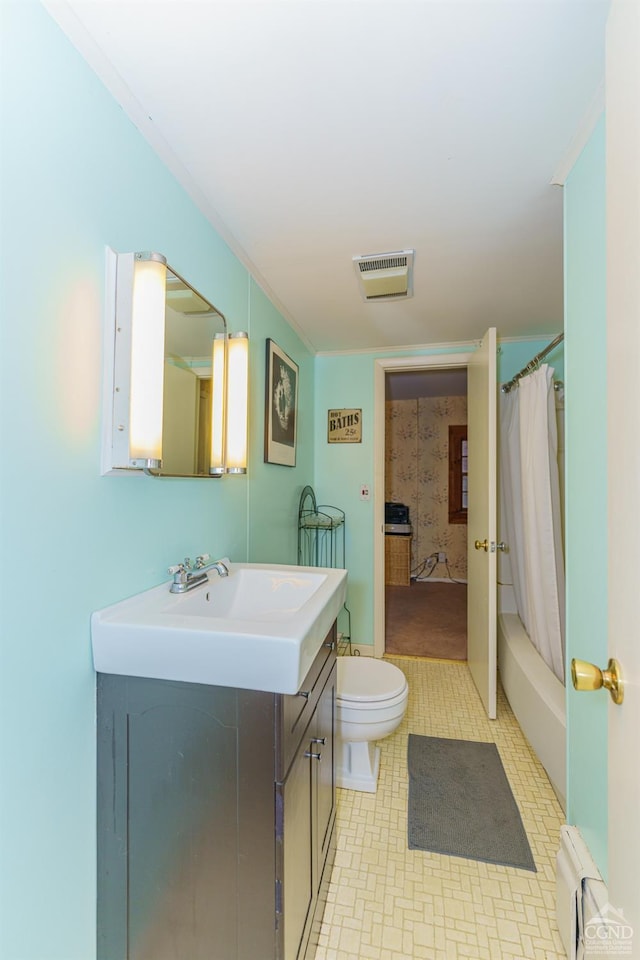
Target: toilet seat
{"x":366,"y":680}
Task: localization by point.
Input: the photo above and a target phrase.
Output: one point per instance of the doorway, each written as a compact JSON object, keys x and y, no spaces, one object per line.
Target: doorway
{"x":423,"y":569}
{"x":426,"y":487}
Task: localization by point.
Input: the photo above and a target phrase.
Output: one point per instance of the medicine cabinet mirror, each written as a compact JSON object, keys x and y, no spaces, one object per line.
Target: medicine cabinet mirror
{"x":177,"y":356}
{"x":191,"y":324}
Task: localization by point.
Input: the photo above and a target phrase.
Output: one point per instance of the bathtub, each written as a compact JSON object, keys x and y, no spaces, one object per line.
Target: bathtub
{"x":536,"y":697}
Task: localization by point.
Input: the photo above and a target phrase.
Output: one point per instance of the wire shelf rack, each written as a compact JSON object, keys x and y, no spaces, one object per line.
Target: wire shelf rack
{"x":321,"y":543}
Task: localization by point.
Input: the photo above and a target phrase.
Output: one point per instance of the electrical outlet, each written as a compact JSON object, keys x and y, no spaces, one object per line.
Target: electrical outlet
{"x":442,"y":558}
{"x":365,"y":493}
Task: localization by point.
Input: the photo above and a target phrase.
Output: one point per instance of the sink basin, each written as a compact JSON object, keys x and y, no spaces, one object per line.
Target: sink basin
{"x":260,"y":628}
{"x":249,"y":593}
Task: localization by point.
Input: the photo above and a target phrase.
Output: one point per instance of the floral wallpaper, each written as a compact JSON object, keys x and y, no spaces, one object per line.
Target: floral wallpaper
{"x":417,"y":474}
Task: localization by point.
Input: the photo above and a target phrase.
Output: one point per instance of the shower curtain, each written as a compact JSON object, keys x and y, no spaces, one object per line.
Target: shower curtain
{"x":531,"y":512}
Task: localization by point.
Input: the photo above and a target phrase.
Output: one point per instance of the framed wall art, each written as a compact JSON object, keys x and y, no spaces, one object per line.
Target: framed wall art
{"x":281,"y":407}
{"x":344,"y":426}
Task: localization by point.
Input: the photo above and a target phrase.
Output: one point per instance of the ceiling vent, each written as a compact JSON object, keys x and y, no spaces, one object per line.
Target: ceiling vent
{"x":385,"y":276}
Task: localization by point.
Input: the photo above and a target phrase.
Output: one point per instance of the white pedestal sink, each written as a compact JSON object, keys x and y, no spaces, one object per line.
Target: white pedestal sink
{"x":258,"y":629}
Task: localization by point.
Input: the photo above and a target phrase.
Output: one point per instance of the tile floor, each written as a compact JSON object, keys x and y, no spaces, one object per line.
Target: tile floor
{"x":387,"y":902}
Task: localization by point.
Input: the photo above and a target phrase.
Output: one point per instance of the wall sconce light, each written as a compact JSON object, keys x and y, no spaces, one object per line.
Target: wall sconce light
{"x":147,"y":303}
{"x":229,"y":403}
{"x":139,"y":363}
{"x":218,"y":404}
{"x":237,"y":402}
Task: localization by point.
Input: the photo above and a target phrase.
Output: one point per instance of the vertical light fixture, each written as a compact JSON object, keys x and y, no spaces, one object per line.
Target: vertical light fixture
{"x":147,"y":360}
{"x":237,"y":402}
{"x":218,"y":405}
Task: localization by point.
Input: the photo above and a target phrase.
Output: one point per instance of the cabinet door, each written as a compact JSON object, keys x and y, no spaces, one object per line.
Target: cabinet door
{"x":168,"y":835}
{"x":305,"y":816}
{"x":294,"y":833}
{"x":324,"y":770}
{"x":186,"y":858}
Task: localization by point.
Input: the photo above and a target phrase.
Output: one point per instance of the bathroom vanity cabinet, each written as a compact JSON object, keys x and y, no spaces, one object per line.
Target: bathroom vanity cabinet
{"x":216,"y":809}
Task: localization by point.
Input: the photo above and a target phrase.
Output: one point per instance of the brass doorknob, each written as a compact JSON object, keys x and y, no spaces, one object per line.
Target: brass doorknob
{"x":586,"y":676}
{"x":482,"y":545}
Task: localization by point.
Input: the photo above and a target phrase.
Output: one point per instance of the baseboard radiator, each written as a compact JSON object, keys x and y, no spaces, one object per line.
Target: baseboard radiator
{"x":581,"y":896}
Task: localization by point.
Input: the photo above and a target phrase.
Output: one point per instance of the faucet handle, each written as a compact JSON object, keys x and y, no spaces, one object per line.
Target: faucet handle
{"x":202,"y":560}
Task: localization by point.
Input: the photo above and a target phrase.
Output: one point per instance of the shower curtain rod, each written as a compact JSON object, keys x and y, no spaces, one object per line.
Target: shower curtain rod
{"x":532,"y":365}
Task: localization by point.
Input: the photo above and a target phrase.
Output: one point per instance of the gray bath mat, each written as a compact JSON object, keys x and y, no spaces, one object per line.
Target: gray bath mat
{"x":461,"y":804}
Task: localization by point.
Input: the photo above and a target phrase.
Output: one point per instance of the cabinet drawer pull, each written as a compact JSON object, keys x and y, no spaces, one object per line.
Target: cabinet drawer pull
{"x":321,"y":740}
{"x":312,"y":755}
{"x":303,"y":693}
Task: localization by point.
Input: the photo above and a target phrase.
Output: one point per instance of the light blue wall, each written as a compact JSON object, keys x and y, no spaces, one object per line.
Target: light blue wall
{"x":76,"y":176}
{"x":586,"y":476}
{"x":347,"y":381}
{"x":514,"y":355}
{"x":274,"y":491}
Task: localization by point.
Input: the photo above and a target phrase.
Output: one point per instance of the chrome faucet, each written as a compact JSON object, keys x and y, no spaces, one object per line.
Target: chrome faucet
{"x":219,"y":565}
{"x":189,"y":574}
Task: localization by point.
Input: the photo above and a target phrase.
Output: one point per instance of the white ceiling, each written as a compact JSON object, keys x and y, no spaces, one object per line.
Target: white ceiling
{"x":310,"y":131}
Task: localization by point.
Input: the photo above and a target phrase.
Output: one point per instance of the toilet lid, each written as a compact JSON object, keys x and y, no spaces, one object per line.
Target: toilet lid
{"x":364,"y":678}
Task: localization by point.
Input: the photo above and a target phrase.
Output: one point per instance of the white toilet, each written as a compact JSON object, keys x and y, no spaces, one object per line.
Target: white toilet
{"x":371,"y":702}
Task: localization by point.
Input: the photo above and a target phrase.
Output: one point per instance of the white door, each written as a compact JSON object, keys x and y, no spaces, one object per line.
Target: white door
{"x":481,"y":521}
{"x":623,"y":428}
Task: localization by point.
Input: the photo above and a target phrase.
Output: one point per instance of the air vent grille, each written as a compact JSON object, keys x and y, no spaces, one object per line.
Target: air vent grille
{"x":386,"y":263}
{"x":385,"y":276}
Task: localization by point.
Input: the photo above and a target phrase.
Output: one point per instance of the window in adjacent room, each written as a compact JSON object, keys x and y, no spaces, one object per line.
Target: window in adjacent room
{"x":458,"y":490}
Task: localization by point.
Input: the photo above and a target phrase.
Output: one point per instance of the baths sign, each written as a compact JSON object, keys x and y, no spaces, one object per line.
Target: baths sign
{"x":344,"y":426}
